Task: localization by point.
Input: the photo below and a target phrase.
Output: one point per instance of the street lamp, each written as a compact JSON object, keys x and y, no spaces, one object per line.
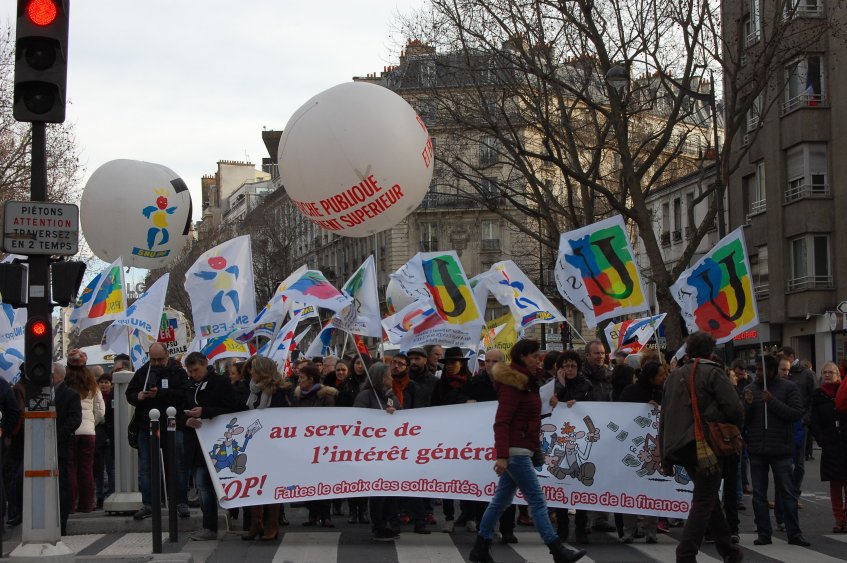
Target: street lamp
{"x":618,"y":78}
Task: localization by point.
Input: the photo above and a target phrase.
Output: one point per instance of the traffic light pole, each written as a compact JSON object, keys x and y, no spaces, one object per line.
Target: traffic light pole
{"x":41,"y":526}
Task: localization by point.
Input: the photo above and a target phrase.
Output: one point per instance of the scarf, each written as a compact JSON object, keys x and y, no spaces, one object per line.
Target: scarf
{"x":256,"y":393}
{"x":457,"y":381}
{"x":830,"y":389}
{"x":399,"y":388}
{"x":306,"y":392}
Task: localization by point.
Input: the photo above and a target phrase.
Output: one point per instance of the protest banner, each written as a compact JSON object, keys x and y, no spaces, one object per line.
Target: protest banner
{"x":600,"y":456}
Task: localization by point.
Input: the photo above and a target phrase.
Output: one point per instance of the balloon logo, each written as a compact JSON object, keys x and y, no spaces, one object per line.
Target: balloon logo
{"x":139,"y":211}
{"x":356,"y":159}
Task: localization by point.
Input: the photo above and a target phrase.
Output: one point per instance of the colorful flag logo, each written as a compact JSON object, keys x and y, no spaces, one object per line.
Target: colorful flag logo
{"x":597,"y":273}
{"x":633,"y":334}
{"x":716,"y":294}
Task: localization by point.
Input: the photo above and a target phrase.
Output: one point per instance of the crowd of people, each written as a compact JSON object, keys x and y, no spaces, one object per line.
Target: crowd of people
{"x":778,"y":403}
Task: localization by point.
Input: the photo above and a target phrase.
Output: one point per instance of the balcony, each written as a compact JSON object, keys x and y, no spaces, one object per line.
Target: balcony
{"x":758,"y":207}
{"x":802,"y":191}
{"x":442,"y":201}
{"x":665,"y":238}
{"x":677,"y":235}
{"x":761,"y":290}
{"x":801,"y":101}
{"x":490,"y":245}
{"x":804,"y":9}
{"x":810,"y":282}
{"x":752,"y":38}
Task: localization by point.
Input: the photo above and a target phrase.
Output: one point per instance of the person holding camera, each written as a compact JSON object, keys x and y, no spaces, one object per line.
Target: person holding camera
{"x":158,"y":384}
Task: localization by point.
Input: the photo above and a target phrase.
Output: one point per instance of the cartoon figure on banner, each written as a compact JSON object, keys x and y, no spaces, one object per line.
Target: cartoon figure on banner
{"x":228,"y":453}
{"x":225,"y":279}
{"x":158,"y":215}
{"x":563,"y":455}
{"x":644,"y":450}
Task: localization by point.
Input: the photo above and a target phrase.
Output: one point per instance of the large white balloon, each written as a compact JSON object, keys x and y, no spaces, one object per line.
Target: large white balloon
{"x":139,"y":211}
{"x":356,"y":159}
{"x":395,"y":297}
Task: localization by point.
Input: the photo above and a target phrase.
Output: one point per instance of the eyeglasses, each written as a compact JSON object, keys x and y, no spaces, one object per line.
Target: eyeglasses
{"x":398,"y":363}
{"x":830,"y":372}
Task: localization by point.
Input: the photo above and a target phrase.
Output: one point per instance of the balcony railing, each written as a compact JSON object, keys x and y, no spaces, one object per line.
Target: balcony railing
{"x":810,"y":282}
{"x":758,"y":207}
{"x":677,"y":235}
{"x":761,"y":290}
{"x":491,"y":245}
{"x":802,"y":100}
{"x":430,"y":245}
{"x":438,"y":201}
{"x":752,"y":38}
{"x":803,"y":191}
{"x":665,"y":238}
{"x":804,"y":9}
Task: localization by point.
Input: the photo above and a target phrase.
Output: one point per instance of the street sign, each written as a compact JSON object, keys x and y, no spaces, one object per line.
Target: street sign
{"x":842,"y":307}
{"x":37,"y":227}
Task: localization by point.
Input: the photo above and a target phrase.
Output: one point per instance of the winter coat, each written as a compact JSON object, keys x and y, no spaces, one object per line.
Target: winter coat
{"x":93,"y":413}
{"x":517,"y":423}
{"x":216,"y":396}
{"x":783,"y":410}
{"x":637,"y":393}
{"x":446,"y":394}
{"x":171,"y":382}
{"x":282,"y":397}
{"x":576,"y":389}
{"x":366,"y":399}
{"x":601,"y":381}
{"x":347,"y":392}
{"x":105,"y":432}
{"x":482,"y":388}
{"x":426,"y":383}
{"x":804,"y":379}
{"x":324,"y":396}
{"x":829,"y":427}
{"x":242,"y":393}
{"x":68,"y":417}
{"x":716,"y":400}
{"x":841,"y":399}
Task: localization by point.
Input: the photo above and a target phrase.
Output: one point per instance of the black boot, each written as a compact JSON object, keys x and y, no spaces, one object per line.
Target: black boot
{"x":562,"y":554}
{"x":481,"y":552}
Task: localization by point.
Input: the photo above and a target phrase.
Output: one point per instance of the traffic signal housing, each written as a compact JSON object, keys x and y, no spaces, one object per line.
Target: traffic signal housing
{"x":38,"y":351}
{"x":41,"y":61}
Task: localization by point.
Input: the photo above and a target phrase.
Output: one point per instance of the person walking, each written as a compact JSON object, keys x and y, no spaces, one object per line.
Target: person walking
{"x":268,"y":389}
{"x":81,"y":459}
{"x":829,"y":428}
{"x":716,"y":402}
{"x":517,"y":434}
{"x":377,"y":393}
{"x":68,"y":419}
{"x":207,"y":396}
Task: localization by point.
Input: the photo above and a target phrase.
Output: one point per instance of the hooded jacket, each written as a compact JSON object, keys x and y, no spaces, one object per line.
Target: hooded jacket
{"x":517,"y":423}
{"x":323,"y":397}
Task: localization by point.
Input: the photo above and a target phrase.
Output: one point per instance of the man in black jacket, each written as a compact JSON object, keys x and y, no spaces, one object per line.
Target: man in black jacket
{"x":158,"y":384}
{"x":209,"y":395}
{"x":771,"y":407}
{"x":68,"y":419}
{"x":806,"y":382}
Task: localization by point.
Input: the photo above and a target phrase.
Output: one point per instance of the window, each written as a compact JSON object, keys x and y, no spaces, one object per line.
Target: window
{"x":488,"y":188}
{"x":803,"y":8}
{"x":805,"y":83}
{"x":753,"y":24}
{"x":755,"y":201}
{"x":806,"y":166}
{"x":427,"y":73}
{"x":754,"y":114}
{"x":427,"y":110}
{"x":488,"y":151}
{"x":689,"y":211}
{"x":677,"y":219}
{"x":490,"y":235}
{"x":759,"y":271}
{"x":429,"y":236}
{"x":810,"y":268}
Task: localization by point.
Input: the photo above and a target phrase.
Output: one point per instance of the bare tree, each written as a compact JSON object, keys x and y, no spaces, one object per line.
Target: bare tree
{"x":528,"y":124}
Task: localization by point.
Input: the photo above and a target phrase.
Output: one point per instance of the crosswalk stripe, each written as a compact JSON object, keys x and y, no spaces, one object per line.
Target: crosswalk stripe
{"x":837,"y":537}
{"x":664,"y":551}
{"x":308,"y":547}
{"x":780,"y":549}
{"x":78,"y":543}
{"x":433,"y":548}
{"x":531,"y":548}
{"x":134,"y":543}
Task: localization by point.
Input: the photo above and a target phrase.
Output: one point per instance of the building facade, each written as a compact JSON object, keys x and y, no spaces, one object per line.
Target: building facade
{"x":789,"y":192}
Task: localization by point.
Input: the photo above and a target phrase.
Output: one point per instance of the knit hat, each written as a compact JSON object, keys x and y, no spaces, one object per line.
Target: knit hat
{"x":77,"y":358}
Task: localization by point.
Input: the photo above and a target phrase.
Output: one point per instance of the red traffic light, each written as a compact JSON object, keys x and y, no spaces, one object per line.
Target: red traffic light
{"x":38,"y":328}
{"x":41,"y":12}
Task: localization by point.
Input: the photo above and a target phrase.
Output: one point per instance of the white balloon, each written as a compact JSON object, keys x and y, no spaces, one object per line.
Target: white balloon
{"x":356,"y":159}
{"x":137,"y":210}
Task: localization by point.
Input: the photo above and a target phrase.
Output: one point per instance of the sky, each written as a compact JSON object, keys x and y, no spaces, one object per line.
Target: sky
{"x":185,"y":83}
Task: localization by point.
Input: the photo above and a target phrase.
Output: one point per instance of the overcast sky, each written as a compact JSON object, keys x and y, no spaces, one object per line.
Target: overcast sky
{"x":185,"y":83}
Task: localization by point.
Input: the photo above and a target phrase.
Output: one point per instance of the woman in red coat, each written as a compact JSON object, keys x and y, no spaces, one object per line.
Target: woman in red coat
{"x":517,"y":435}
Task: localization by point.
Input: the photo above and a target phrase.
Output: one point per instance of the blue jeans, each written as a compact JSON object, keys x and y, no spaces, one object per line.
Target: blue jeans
{"x":144,"y":466}
{"x":519,"y":474}
{"x":785,"y":493}
{"x":208,"y":498}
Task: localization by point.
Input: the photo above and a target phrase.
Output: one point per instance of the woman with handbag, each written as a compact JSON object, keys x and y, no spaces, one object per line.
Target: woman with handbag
{"x":517,"y":434}
{"x":694,"y":392}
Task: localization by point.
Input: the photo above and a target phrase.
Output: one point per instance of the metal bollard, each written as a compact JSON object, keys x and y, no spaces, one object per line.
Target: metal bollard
{"x":155,"y":480}
{"x":173,"y":527}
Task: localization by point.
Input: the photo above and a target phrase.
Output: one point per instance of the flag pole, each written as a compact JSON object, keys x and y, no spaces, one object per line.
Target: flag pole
{"x":367,"y":373}
{"x":764,"y":378}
